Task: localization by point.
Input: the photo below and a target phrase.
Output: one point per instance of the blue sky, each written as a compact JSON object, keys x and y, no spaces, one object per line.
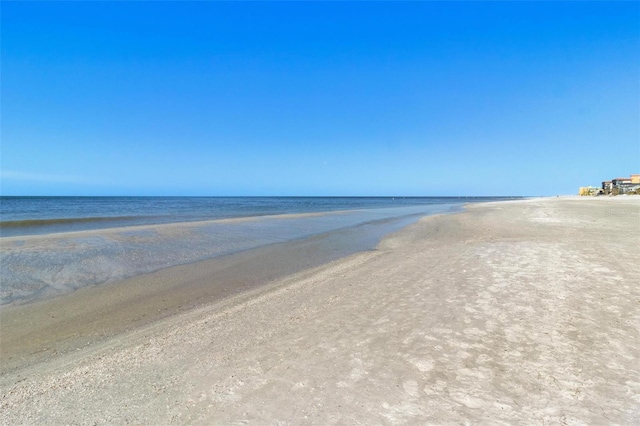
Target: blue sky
{"x":326,"y":98}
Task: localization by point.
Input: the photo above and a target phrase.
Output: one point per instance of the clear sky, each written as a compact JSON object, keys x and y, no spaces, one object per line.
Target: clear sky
{"x":318,"y":98}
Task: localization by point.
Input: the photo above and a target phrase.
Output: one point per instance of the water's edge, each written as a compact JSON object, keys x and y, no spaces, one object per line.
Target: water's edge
{"x":40,"y":267}
{"x":46,"y":328}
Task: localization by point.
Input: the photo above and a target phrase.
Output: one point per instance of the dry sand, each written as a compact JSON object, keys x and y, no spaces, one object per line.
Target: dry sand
{"x":523,"y":312}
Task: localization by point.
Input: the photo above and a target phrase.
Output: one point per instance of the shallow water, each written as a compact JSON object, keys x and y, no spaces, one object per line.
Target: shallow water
{"x":44,"y":215}
{"x":40,"y":266}
{"x":54,"y":245}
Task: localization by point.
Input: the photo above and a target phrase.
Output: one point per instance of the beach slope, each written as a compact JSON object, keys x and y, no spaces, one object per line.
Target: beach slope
{"x":510,"y":312}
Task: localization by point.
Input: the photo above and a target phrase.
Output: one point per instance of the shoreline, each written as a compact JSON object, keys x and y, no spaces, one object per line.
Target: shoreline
{"x":168,"y":225}
{"x":41,"y":267}
{"x":513,"y":311}
{"x":42,"y":329}
{"x":65,"y":223}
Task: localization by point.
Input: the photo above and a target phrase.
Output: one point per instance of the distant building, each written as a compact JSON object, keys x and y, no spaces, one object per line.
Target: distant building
{"x":621,"y":181}
{"x":588,"y":190}
{"x":622,"y":185}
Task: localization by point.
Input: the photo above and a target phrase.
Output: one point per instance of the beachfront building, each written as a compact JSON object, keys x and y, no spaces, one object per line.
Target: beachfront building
{"x":622,"y":185}
{"x":588,"y":190}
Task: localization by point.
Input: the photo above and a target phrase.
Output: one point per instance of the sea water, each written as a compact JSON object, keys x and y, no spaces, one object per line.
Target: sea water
{"x":53,"y":245}
{"x":43,"y":215}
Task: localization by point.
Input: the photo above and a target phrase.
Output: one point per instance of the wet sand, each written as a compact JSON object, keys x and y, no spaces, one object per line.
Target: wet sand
{"x":512,"y":312}
{"x":42,"y":330}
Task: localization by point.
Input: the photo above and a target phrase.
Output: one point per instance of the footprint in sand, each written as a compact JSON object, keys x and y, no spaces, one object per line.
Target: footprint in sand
{"x":467,"y":400}
{"x":411,"y":388}
{"x":423,"y":365}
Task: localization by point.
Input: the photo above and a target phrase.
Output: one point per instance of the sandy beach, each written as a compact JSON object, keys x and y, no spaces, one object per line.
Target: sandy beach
{"x":515,"y":312}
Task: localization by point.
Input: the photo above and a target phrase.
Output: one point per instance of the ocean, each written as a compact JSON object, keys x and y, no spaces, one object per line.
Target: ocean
{"x":44,"y":215}
{"x":53,"y":245}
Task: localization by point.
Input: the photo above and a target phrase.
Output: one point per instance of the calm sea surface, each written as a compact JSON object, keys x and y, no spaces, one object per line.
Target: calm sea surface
{"x":54,"y":245}
{"x":42,"y":215}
